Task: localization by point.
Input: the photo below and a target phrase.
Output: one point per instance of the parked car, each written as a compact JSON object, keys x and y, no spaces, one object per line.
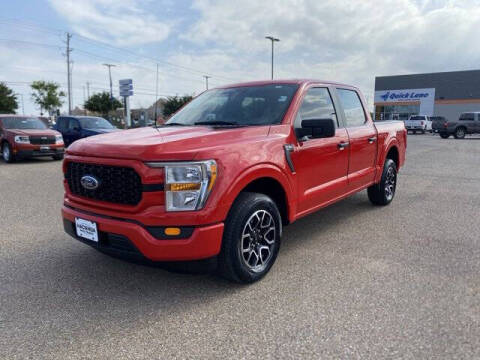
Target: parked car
{"x":78,"y":127}
{"x":24,"y":137}
{"x":223,"y":176}
{"x":438,"y":123}
{"x":420,"y":123}
{"x":468,"y":123}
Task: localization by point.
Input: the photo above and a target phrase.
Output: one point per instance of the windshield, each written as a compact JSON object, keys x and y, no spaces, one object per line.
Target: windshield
{"x":23,"y":123}
{"x":95,"y":123}
{"x":246,"y":105}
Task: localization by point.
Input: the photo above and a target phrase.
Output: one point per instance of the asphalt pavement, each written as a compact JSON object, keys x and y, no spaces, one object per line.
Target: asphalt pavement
{"x":351,"y":281}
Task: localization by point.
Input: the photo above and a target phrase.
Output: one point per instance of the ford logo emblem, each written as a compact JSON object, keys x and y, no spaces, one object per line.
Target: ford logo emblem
{"x":89,"y":182}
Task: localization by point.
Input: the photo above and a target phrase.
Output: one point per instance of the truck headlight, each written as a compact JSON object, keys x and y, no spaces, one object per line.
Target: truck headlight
{"x":20,"y":139}
{"x":187,"y":184}
{"x":58,"y":139}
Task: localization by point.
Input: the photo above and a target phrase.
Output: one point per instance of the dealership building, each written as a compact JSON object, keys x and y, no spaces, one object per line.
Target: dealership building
{"x":445,"y":94}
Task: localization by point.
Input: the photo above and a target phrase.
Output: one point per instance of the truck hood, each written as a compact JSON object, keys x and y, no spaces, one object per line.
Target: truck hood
{"x":164,"y":143}
{"x":33,"y":132}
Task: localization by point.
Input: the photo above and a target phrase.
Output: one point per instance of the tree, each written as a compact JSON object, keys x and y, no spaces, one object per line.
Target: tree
{"x":8,"y":101}
{"x":46,"y":95}
{"x":101,"y":103}
{"x":174,"y":103}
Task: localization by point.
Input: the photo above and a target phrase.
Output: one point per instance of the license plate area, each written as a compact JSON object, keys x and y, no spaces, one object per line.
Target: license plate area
{"x":44,"y":148}
{"x":86,"y":229}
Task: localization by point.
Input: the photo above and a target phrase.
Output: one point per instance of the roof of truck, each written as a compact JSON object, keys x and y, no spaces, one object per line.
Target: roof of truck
{"x":285,"y":81}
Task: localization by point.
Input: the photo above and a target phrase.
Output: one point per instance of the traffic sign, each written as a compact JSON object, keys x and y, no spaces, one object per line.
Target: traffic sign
{"x":125,"y":81}
{"x":126,"y":87}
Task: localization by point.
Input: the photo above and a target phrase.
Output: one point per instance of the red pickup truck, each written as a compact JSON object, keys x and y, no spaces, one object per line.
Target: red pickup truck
{"x":227,"y":171}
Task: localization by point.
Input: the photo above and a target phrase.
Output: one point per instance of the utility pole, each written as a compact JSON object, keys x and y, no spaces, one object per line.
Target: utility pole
{"x":69,"y":76}
{"x":23,"y":107}
{"x":273,"y":40}
{"x":84,"y":110}
{"x":206,"y":80}
{"x":110,"y":76}
{"x":156,"y":97}
{"x":88,"y":90}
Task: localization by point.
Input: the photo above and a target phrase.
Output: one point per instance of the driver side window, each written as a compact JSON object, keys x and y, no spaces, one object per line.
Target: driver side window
{"x":73,"y":124}
{"x":317,"y":104}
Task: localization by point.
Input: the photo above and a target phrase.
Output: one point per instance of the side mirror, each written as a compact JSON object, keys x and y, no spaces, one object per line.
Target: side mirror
{"x":316,"y":129}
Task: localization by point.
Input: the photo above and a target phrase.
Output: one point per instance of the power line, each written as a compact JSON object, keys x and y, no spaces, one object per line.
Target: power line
{"x":18,"y":22}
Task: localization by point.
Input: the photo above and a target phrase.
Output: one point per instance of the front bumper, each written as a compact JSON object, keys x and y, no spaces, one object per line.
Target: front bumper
{"x":125,"y":237}
{"x":38,"y":153}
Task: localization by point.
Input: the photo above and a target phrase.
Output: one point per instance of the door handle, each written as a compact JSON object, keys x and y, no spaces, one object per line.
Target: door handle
{"x":371,"y":140}
{"x":343,"y":145}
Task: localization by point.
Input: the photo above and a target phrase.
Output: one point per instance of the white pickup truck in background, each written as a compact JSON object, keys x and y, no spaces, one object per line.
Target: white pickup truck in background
{"x":421,"y":123}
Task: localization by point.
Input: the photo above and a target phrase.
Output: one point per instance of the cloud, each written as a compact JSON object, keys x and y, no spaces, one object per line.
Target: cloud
{"x":119,"y":21}
{"x":346,"y":40}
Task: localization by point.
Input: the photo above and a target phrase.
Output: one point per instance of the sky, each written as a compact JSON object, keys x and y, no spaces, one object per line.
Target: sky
{"x":350,"y":41}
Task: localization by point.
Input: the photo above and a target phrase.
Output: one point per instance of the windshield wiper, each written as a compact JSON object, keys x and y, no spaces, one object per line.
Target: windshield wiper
{"x":217,"y":122}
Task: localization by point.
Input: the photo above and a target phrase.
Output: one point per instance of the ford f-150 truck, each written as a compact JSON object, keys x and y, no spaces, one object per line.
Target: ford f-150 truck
{"x":223,"y":176}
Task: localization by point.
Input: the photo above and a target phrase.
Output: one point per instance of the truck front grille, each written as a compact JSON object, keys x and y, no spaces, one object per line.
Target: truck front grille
{"x":42,"y":140}
{"x":116,"y":184}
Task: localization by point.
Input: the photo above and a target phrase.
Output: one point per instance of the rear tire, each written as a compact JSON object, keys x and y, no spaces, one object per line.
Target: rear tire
{"x":444,"y":135}
{"x":251,"y":239}
{"x":7,"y":153}
{"x":383,"y":193}
{"x":460,"y":133}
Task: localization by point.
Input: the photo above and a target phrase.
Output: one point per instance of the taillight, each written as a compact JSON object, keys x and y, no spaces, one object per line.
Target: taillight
{"x":445,"y":124}
{"x":422,"y":123}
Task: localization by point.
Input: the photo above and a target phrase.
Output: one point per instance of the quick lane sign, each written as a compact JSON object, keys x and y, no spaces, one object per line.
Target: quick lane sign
{"x":426,"y":97}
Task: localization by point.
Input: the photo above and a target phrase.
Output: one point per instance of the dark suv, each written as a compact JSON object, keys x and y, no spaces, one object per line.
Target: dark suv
{"x":77,"y":127}
{"x":468,"y":123}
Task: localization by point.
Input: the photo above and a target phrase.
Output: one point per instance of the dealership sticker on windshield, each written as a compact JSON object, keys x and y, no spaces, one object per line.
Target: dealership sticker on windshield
{"x":86,"y":229}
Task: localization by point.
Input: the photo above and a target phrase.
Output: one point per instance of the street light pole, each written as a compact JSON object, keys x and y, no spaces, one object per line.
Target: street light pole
{"x":272,"y":39}
{"x":206,"y":80}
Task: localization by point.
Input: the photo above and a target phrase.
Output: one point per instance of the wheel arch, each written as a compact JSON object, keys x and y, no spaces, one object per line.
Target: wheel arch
{"x":268,"y":180}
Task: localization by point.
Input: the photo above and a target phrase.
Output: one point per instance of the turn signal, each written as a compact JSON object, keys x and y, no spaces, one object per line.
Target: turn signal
{"x":183,"y":186}
{"x":172,"y":231}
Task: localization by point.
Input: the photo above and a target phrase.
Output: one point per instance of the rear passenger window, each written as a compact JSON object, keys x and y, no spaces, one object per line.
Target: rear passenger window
{"x":467,"y":117}
{"x":317,"y":104}
{"x":352,"y":107}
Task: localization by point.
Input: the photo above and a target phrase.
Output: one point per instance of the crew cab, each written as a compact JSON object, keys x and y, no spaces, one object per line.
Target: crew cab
{"x":223,"y":176}
{"x":467,"y":123}
{"x":420,"y":123}
{"x":78,"y":127}
{"x":24,"y":137}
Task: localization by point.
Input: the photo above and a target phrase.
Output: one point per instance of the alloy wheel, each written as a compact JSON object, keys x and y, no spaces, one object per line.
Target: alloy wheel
{"x":6,"y":153}
{"x":258,"y":239}
{"x":390,"y":181}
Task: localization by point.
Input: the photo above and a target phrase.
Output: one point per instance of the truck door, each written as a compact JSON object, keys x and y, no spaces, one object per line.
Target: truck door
{"x":362,"y":136}
{"x":321,"y":164}
{"x":73,"y":130}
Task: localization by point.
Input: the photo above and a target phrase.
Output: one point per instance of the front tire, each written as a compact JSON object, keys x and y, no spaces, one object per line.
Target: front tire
{"x":251,"y":239}
{"x":444,"y":135}
{"x":7,"y":153}
{"x":383,"y":193}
